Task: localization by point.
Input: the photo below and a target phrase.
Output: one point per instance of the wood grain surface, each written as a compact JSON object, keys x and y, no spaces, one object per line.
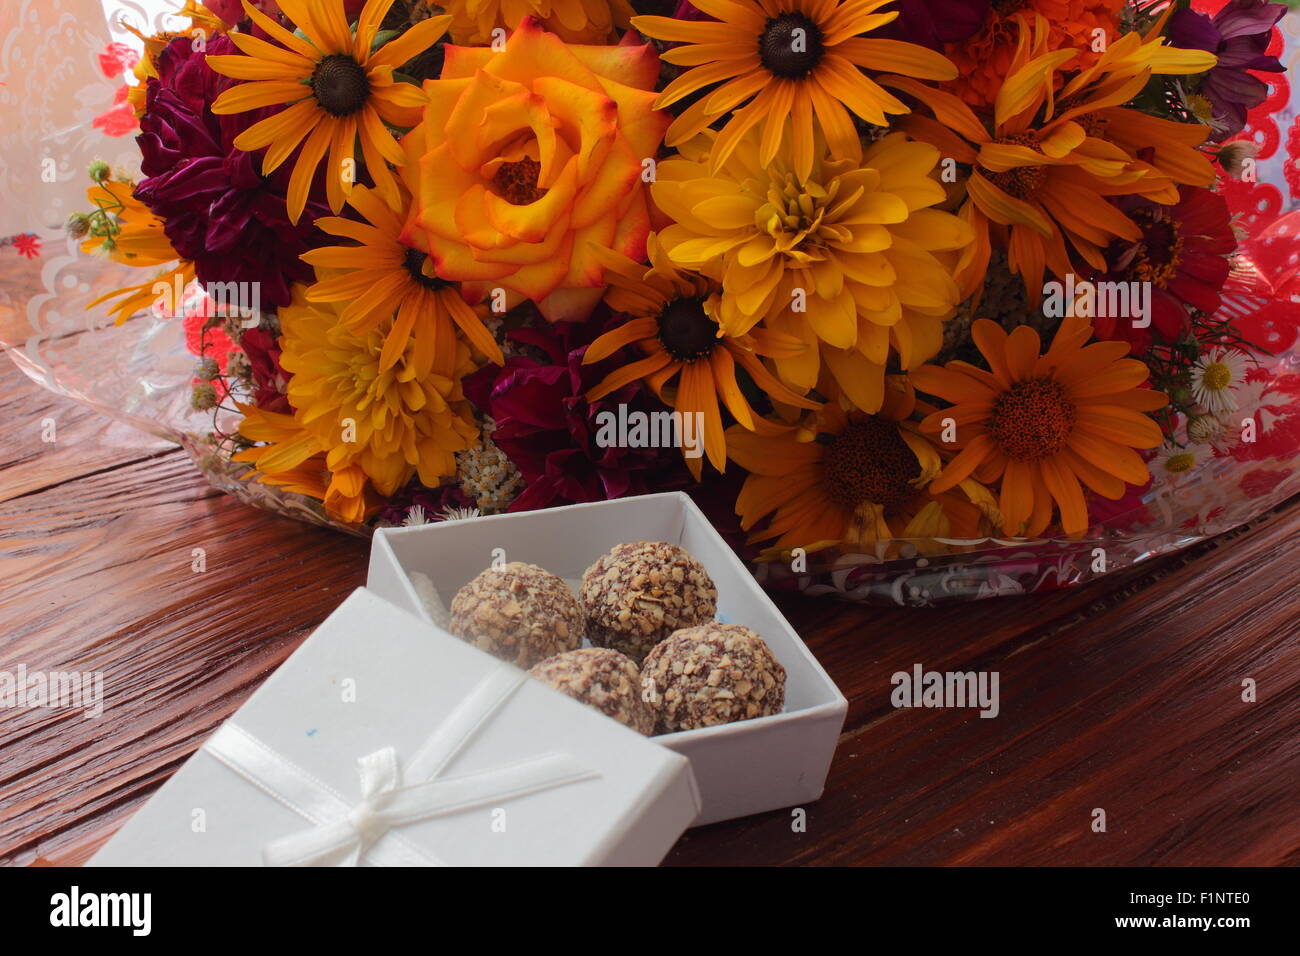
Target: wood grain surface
{"x":1124,"y":695}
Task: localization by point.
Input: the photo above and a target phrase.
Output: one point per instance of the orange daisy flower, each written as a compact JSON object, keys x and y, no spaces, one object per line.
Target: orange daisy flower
{"x":789,"y":60}
{"x":852,"y":480}
{"x":339,"y":91}
{"x":1044,"y":425}
{"x":1052,"y":157}
{"x":384,"y":275}
{"x":674,"y":320}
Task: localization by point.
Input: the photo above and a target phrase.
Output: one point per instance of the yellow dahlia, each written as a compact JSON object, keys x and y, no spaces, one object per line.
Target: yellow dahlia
{"x":788,"y":60}
{"x":1044,"y":424}
{"x":1052,"y":158}
{"x":390,"y":423}
{"x":850,"y":259}
{"x":673,"y":320}
{"x":383,"y":278}
{"x":338,"y":89}
{"x":852,"y":479}
{"x":576,"y":21}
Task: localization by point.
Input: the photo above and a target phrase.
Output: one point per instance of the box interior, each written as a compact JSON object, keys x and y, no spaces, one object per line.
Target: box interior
{"x":565,"y":541}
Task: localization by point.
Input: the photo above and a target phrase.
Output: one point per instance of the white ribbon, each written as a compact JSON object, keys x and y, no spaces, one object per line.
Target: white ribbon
{"x":346,"y":833}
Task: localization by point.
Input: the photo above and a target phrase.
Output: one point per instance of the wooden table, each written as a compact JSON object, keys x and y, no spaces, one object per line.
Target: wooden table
{"x":1125,"y":695}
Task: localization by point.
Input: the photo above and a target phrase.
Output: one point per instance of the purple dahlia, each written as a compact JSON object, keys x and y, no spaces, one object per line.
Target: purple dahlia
{"x":1239,"y":36}
{"x":219,"y":211}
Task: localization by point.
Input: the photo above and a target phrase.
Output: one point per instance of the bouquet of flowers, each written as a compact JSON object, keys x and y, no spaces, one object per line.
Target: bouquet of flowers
{"x":918,"y":298}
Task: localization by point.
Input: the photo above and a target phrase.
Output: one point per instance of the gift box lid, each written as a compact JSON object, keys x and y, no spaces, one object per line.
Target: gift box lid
{"x":381,"y":742}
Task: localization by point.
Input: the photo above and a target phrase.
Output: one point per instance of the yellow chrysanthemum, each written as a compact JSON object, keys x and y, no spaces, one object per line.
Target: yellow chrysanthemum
{"x":575,"y":21}
{"x":852,"y":480}
{"x":346,"y":494}
{"x":850,"y":260}
{"x":1053,"y":157}
{"x":337,"y":88}
{"x":789,"y":60}
{"x":391,"y":424}
{"x":384,"y":277}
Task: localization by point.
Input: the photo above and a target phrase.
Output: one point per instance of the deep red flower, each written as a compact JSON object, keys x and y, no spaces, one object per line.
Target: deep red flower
{"x":269,"y":379}
{"x":933,"y":23}
{"x":434,"y":501}
{"x":219,"y":210}
{"x":1183,"y":253}
{"x":548,"y":429}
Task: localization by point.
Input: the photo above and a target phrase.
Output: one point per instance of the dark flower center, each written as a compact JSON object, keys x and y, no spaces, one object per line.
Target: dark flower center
{"x":415,"y":266}
{"x":340,"y":85}
{"x":686,"y":331}
{"x":1032,"y":420}
{"x":516,"y":182}
{"x":1161,"y":251}
{"x":869,"y":462}
{"x":790,"y":46}
{"x":1023,"y":181}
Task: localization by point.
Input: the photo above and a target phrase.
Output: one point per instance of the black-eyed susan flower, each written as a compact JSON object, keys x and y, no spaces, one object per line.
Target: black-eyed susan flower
{"x":337,"y":89}
{"x":674,"y":320}
{"x":1044,"y":425}
{"x":781,"y":63}
{"x":383,"y":278}
{"x":851,"y":259}
{"x":852,"y":480}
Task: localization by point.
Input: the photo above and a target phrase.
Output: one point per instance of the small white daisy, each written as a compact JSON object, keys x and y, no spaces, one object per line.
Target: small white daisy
{"x":1216,"y":376}
{"x":458,"y":514}
{"x":1174,"y":462}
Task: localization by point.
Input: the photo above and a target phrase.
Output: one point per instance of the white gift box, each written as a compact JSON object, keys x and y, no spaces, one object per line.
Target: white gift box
{"x":741,"y":768}
{"x":381,"y":741}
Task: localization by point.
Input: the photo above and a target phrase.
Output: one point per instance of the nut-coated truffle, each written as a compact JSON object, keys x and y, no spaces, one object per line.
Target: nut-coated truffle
{"x":603,"y":679}
{"x":519,"y":612}
{"x":637,"y":594}
{"x":712,"y":674}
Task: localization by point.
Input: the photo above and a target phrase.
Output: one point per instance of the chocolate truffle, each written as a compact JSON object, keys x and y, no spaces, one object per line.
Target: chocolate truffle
{"x":712,"y":674}
{"x":519,"y":612}
{"x":600,"y":678}
{"x":639,"y":593}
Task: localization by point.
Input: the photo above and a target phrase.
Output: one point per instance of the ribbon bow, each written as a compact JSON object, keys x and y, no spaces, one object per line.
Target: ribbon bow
{"x":346,"y":834}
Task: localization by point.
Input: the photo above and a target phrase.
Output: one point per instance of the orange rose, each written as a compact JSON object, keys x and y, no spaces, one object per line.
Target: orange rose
{"x":531,"y":157}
